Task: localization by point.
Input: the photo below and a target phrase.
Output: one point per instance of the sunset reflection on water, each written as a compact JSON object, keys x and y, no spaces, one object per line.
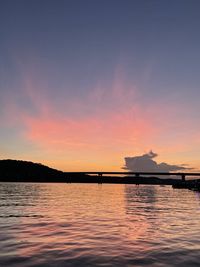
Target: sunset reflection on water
{"x":95,"y":225}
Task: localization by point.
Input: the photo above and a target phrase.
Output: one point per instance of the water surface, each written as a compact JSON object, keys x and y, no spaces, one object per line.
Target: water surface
{"x":98,"y":225}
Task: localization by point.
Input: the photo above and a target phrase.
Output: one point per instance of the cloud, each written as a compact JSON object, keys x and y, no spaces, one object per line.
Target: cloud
{"x":147,"y":164}
{"x":99,"y":125}
{"x":106,"y":118}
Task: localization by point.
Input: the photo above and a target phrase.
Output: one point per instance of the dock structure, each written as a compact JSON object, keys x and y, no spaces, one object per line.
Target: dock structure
{"x":139,"y":174}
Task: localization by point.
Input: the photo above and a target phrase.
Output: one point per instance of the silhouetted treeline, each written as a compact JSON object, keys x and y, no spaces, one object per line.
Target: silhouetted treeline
{"x":25,"y":171}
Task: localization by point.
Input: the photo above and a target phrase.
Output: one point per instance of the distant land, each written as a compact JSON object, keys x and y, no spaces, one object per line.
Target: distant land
{"x":26,"y":171}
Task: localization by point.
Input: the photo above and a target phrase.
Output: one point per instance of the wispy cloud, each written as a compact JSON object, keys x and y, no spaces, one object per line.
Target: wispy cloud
{"x":107,"y":121}
{"x":103,"y":119}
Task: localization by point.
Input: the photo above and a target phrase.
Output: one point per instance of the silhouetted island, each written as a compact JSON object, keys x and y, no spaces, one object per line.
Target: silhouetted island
{"x":26,"y":171}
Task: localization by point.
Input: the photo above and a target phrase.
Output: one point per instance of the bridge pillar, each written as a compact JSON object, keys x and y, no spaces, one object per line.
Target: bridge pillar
{"x":183,"y":177}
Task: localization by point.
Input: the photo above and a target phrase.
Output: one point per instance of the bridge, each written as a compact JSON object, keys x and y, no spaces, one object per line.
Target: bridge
{"x":139,"y":174}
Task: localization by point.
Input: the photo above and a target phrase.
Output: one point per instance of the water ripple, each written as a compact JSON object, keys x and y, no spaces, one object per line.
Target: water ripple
{"x":90,"y":225}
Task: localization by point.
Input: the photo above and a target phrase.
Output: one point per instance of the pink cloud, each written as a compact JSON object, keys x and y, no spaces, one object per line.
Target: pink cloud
{"x":105,"y":117}
{"x":107,"y":121}
{"x":92,"y":132}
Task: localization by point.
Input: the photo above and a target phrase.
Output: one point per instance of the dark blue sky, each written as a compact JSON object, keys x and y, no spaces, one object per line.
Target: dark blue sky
{"x":64,"y":36}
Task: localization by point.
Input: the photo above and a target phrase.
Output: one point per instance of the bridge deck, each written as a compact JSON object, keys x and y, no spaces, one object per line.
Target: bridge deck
{"x":139,"y":173}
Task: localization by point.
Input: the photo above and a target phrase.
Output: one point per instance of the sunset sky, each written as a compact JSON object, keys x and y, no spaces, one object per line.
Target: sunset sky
{"x":85,"y":84}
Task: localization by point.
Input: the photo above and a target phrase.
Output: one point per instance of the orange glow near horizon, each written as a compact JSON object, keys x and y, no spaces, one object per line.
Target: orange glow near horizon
{"x":98,"y":131}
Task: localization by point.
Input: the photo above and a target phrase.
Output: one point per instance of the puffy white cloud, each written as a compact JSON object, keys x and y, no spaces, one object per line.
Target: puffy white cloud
{"x":146,"y":163}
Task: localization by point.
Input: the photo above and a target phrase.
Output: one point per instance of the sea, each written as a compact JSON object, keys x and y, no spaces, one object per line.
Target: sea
{"x":83,"y":225}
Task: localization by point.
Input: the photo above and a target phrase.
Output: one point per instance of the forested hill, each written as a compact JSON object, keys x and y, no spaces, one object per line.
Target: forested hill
{"x":26,"y":171}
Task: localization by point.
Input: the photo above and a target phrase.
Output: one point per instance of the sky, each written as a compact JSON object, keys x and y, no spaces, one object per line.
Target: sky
{"x":84,"y":85}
